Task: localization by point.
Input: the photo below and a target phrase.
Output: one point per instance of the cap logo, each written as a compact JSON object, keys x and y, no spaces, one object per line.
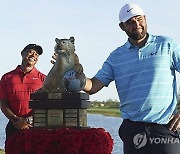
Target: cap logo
{"x":129,"y":10}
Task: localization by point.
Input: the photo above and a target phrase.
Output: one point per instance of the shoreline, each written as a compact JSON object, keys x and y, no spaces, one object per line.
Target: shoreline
{"x":2,"y":151}
{"x":113,"y":112}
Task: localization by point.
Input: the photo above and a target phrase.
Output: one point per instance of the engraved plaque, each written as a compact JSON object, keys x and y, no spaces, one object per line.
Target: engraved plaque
{"x":39,"y":115}
{"x":71,"y":110}
{"x":39,"y":124}
{"x":55,"y":117}
{"x":39,"y":120}
{"x":71,"y":115}
{"x":71,"y":119}
{"x":83,"y":117}
{"x":71,"y":124}
{"x":40,"y":111}
{"x":83,"y":121}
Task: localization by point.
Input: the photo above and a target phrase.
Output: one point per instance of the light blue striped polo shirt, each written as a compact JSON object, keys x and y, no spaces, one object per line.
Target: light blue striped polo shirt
{"x":145,"y":78}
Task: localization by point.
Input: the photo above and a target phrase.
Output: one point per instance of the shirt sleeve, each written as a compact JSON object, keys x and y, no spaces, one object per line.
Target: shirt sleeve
{"x":3,"y":94}
{"x":175,"y":56}
{"x":43,"y":76}
{"x":105,"y":74}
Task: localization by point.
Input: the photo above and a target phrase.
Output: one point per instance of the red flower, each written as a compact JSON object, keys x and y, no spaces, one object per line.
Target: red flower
{"x":28,"y":146}
{"x":64,"y":140}
{"x":89,"y":147}
{"x":77,"y":140}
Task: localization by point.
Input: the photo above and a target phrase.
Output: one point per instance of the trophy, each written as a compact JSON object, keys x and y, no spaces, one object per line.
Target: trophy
{"x":59,"y":103}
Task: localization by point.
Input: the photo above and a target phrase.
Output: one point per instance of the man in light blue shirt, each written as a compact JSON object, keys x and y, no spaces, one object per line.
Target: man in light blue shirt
{"x":144,"y":77}
{"x":144,"y":73}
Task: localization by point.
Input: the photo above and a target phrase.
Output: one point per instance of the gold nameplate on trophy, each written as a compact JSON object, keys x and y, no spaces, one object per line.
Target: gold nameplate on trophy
{"x":40,"y":120}
{"x":71,"y":121}
{"x":55,"y":117}
{"x":71,"y":110}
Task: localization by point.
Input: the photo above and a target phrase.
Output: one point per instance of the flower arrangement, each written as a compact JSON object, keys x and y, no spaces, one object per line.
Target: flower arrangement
{"x":60,"y":141}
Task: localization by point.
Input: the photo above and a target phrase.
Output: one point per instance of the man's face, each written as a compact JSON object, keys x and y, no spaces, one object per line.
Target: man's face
{"x":30,"y":57}
{"x":135,"y":27}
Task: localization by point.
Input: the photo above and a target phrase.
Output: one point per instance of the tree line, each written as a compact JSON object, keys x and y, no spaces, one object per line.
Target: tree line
{"x":114,"y":103}
{"x":109,"y":103}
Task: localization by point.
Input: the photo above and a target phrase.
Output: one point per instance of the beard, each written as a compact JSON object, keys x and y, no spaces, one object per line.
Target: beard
{"x":137,"y":35}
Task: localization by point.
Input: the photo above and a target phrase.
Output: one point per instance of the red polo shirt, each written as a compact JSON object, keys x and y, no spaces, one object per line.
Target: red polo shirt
{"x":16,"y":87}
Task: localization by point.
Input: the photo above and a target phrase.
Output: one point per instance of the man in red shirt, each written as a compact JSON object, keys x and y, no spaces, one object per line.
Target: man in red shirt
{"x":16,"y":87}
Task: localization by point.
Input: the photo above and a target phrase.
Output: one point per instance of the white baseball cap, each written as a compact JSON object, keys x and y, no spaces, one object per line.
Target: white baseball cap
{"x":128,"y":11}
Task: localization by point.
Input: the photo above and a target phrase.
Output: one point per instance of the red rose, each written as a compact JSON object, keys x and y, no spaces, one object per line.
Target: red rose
{"x":77,"y":140}
{"x":89,"y":147}
{"x":28,"y":146}
{"x":64,"y":140}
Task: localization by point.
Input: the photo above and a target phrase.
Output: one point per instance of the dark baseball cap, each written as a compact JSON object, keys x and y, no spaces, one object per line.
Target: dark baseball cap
{"x":35,"y":47}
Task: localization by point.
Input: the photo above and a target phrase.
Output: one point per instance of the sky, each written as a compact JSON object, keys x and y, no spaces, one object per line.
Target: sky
{"x":93,"y":23}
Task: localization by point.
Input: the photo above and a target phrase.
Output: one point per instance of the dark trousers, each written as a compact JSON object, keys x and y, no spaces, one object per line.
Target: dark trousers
{"x":148,"y":138}
{"x":10,"y":130}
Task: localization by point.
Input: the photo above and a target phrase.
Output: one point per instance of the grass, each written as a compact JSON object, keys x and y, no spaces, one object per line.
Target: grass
{"x":2,"y":151}
{"x":114,"y":112}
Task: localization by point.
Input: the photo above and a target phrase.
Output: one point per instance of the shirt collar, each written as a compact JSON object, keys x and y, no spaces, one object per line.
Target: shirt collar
{"x":150,"y":39}
{"x":19,"y":70}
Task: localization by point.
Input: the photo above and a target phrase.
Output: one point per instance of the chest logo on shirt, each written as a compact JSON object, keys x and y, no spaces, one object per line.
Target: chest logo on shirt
{"x":153,"y":53}
{"x":34,"y":78}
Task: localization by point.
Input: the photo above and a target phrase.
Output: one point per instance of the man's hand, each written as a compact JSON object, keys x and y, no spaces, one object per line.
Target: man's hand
{"x":78,"y":68}
{"x":22,"y":123}
{"x":175,"y":122}
{"x":54,"y":57}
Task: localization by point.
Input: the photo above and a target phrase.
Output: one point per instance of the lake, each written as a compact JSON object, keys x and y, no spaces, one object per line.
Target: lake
{"x":110,"y":124}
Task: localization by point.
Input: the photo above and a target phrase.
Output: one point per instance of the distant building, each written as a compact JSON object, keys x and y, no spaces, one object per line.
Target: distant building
{"x":102,"y":104}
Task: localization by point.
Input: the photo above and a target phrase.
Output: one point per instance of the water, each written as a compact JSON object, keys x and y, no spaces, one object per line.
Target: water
{"x":110,"y":124}
{"x":3,"y":122}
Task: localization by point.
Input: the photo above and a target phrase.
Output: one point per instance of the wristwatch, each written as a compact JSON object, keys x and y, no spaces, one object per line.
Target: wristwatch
{"x":29,"y":120}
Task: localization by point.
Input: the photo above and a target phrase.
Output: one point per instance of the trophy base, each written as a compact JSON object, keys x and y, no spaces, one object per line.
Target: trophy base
{"x":61,"y":111}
